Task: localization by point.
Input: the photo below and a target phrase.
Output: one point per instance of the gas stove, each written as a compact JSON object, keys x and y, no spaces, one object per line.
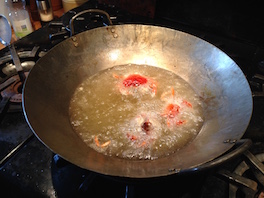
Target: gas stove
{"x":28,"y":168}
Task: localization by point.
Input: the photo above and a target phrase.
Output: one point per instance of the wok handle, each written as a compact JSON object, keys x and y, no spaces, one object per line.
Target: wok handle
{"x":242,"y":146}
{"x":86,"y":11}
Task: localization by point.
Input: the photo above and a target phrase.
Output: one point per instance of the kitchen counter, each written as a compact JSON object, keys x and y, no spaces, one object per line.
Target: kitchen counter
{"x":36,"y":25}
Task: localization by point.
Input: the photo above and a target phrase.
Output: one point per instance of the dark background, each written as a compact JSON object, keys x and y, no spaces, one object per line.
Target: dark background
{"x":243,"y":20}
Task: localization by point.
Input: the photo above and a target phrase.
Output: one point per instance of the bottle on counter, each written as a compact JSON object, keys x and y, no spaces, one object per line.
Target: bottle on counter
{"x":70,"y":4}
{"x":19,"y":17}
{"x":45,"y":10}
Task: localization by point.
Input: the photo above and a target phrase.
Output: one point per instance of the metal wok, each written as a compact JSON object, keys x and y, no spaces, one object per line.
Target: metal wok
{"x":212,"y":74}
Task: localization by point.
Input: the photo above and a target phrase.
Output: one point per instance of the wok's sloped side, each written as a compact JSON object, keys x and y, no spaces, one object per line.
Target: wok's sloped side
{"x":213,"y":75}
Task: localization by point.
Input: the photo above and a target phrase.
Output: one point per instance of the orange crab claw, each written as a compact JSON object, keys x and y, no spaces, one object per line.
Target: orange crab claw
{"x":143,"y":144}
{"x":188,"y":104}
{"x":172,"y":91}
{"x":180,"y":122}
{"x":132,"y":137}
{"x":116,"y":76}
{"x":101,"y":145}
{"x":153,"y":87}
{"x":171,"y":110}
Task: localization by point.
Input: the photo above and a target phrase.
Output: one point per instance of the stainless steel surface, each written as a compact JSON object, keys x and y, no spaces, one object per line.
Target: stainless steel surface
{"x":213,"y":75}
{"x":43,"y":5}
{"x":5,"y":31}
{"x":15,"y":58}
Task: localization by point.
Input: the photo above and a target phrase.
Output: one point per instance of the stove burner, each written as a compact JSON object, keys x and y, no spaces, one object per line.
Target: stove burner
{"x":11,"y":95}
{"x":247,"y":179}
{"x":14,"y":90}
{"x":72,"y":181}
{"x":257,"y":85}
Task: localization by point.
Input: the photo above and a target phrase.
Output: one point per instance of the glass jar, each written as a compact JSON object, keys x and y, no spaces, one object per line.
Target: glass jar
{"x":19,"y":17}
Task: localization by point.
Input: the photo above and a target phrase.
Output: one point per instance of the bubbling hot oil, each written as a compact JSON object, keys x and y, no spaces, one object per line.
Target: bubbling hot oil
{"x":136,"y":112}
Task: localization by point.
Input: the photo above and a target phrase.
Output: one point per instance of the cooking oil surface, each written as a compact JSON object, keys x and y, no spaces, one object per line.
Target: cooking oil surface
{"x":136,"y":112}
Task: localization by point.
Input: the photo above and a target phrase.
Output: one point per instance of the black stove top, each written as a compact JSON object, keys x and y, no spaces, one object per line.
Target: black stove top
{"x":29,"y":169}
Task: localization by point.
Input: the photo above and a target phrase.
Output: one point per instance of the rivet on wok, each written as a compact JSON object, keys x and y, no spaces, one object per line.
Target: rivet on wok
{"x":74,"y":38}
{"x":112,"y":30}
{"x":175,"y":170}
{"x":115,"y":35}
{"x":75,"y":44}
{"x":230,"y":141}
